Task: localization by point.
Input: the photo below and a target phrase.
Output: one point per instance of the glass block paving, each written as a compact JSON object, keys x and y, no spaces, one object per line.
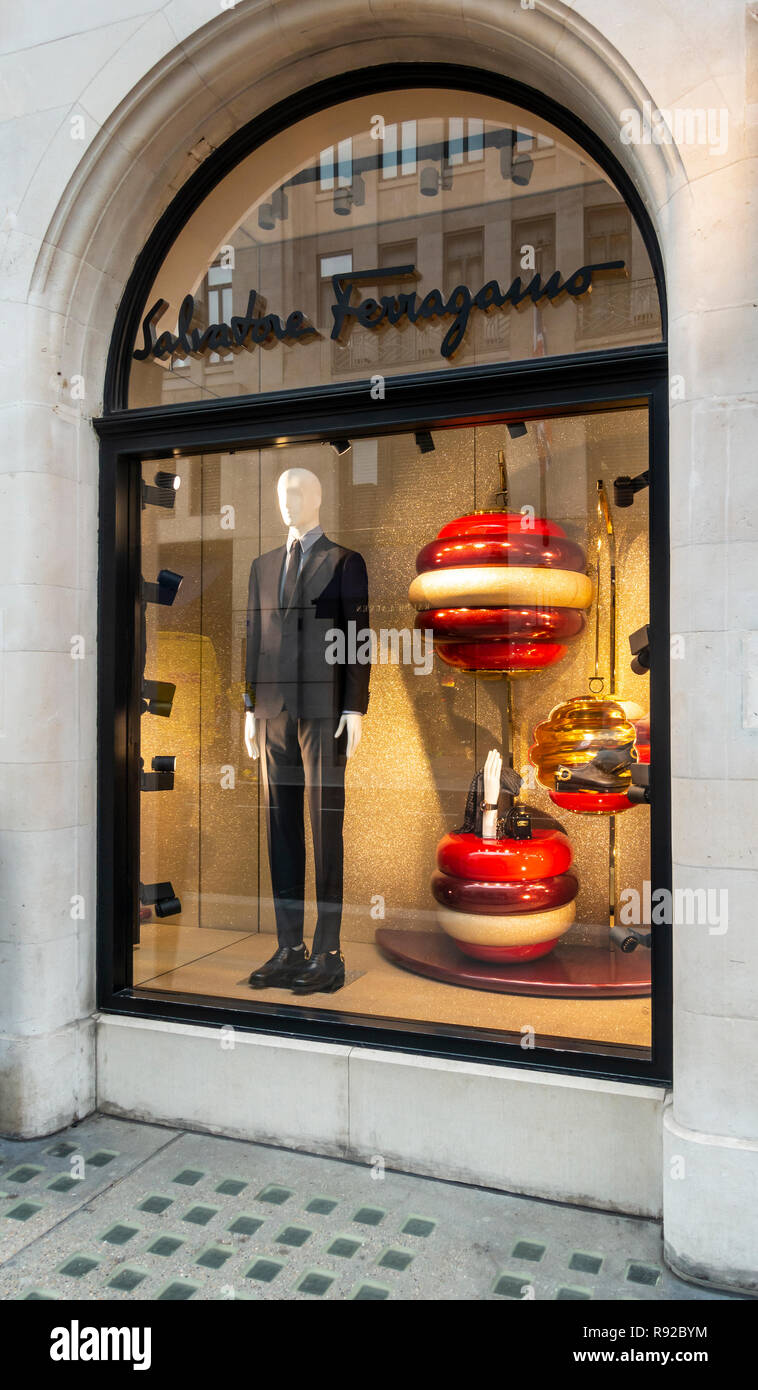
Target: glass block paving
{"x":277,"y":1196}
{"x":264,"y":1270}
{"x":369,"y":1216}
{"x":173,"y":1216}
{"x":200,"y":1216}
{"x":78,"y":1265}
{"x":165,"y":1246}
{"x":588,"y":1264}
{"x":344,"y":1247}
{"x":527,"y":1250}
{"x":127,"y":1280}
{"x":513,"y":1286}
{"x":293,"y":1235}
{"x":245,"y":1225}
{"x":214,"y":1258}
{"x":395,"y":1259}
{"x":188,"y":1177}
{"x":23,"y":1174}
{"x":23,"y":1211}
{"x":322,"y":1206}
{"x":643,"y":1274}
{"x":155,"y":1203}
{"x":119,"y":1235}
{"x":316,"y":1282}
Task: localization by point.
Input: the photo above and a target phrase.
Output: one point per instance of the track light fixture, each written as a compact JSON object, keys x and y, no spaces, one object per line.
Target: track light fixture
{"x":166,"y":589}
{"x":625,"y":488}
{"x":424,"y":441}
{"x":517,"y":429}
{"x":158,"y":698}
{"x":275,"y":211}
{"x":516,"y":167}
{"x":163,"y":492}
{"x":161,"y":897}
{"x":345,"y":199}
{"x":639,"y":645}
{"x":340,"y":446}
{"x":640,"y":789}
{"x":161,"y":779}
{"x":432,"y":179}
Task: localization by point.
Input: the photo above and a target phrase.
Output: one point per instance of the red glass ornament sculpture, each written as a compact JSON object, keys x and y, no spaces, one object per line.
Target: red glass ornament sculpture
{"x":501,"y":594}
{"x":506,"y":899}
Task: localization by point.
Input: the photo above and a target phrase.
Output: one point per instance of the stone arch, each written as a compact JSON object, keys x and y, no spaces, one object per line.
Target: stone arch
{"x":221,"y":75}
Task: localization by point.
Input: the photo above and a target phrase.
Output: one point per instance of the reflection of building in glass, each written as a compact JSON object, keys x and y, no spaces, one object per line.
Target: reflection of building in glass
{"x":460,"y":197}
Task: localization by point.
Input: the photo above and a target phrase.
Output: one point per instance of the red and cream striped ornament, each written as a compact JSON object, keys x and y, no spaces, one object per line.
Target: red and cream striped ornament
{"x":505,"y":900}
{"x":499,"y":594}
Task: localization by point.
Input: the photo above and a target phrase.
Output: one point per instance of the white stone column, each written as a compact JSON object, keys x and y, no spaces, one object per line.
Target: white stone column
{"x":711,"y":1129}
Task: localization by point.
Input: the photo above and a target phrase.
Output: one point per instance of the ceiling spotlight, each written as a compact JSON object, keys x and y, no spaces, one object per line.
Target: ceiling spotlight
{"x":166,"y":589}
{"x":424,"y":441}
{"x":340,"y":446}
{"x":162,"y":897}
{"x":345,"y":199}
{"x":266,"y":218}
{"x":158,"y":697}
{"x":517,"y":429}
{"x":161,"y":779}
{"x":625,"y":488}
{"x":163,"y":494}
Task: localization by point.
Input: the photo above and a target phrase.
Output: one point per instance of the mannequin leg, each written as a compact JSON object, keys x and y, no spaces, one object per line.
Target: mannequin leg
{"x":283,"y":788}
{"x":324,"y":762}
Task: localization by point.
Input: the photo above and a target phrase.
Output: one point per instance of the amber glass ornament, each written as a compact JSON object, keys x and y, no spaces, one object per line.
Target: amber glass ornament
{"x":573,"y":734}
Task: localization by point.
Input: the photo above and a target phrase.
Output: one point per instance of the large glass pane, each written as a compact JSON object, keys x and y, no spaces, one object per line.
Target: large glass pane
{"x":471,"y":193}
{"x":521,"y":617}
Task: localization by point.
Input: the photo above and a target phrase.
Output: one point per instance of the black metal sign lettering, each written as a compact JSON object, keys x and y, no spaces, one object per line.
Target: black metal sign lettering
{"x":255,"y":328}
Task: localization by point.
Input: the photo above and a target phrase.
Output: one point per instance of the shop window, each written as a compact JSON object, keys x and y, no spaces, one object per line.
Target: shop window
{"x":431,"y":935}
{"x":423,"y":604}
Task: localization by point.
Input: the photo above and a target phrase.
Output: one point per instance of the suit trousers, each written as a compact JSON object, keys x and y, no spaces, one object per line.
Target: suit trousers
{"x":299,"y":756}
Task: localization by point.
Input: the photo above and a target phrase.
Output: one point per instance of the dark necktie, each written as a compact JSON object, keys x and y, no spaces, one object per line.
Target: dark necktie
{"x":291,"y":573}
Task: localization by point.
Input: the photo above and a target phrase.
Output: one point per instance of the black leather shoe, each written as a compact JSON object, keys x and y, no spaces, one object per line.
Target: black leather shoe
{"x":280,"y":971}
{"x":323,"y":974}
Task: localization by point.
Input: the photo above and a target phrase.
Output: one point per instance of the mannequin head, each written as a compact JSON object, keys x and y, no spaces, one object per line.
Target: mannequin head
{"x":299,"y":493}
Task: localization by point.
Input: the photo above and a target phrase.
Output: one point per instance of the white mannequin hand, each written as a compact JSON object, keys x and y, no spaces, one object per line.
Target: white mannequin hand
{"x":354,"y":725}
{"x":251,"y":735}
{"x":492,"y":769}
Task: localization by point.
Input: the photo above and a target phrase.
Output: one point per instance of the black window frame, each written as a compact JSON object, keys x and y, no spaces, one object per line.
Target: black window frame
{"x":550,"y":386}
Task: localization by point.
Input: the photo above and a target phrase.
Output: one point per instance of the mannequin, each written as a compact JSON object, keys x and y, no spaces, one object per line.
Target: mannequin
{"x":303,"y":719}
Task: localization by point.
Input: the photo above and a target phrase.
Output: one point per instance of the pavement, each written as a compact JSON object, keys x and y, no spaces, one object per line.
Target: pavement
{"x":112,"y":1209}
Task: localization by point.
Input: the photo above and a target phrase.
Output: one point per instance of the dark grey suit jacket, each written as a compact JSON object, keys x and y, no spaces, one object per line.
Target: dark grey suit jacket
{"x":286,"y":665}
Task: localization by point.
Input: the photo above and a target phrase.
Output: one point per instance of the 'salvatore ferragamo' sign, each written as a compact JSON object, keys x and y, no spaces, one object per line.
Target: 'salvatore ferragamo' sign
{"x":256,"y":328}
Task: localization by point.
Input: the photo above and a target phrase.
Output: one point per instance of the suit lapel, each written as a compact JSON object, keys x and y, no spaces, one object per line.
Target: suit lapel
{"x":313,"y":562}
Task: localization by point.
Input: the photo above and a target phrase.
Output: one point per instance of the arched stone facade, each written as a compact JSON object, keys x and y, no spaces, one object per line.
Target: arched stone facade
{"x":156,"y":92}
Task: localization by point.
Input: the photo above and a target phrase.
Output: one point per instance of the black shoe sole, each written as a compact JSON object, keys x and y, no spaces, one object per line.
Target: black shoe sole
{"x":278,"y":982}
{"x":330,"y":988}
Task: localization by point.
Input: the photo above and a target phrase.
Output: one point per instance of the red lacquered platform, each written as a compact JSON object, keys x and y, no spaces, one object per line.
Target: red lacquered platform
{"x":573,"y":972}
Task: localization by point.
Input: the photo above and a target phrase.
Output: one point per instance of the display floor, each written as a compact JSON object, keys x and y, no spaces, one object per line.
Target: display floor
{"x":192,"y":960}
